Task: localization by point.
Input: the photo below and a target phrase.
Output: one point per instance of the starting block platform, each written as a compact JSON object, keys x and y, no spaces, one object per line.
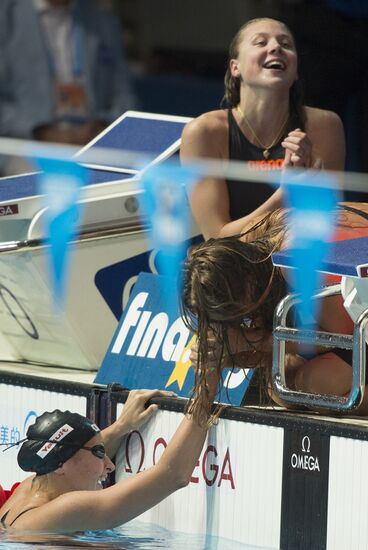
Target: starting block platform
{"x":111,"y":250}
{"x":148,"y":137}
{"x":348,"y":259}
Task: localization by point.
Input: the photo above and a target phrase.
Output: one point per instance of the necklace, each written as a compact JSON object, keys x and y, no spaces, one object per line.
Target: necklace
{"x":266,"y":148}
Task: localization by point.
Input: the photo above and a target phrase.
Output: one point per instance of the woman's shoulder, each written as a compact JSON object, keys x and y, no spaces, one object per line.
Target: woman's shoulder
{"x":206,"y":134}
{"x":326,"y":132}
{"x":213,"y":122}
{"x":321,"y":118}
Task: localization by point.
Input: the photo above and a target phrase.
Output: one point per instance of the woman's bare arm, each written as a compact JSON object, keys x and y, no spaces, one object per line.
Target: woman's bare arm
{"x":81,"y":510}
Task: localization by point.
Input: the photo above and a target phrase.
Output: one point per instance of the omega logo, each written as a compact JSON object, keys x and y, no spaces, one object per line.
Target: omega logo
{"x":211,"y":468}
{"x":304,"y":460}
{"x":306,"y":444}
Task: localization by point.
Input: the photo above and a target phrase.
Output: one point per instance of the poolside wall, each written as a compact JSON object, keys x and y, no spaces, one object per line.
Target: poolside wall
{"x":264,"y":478}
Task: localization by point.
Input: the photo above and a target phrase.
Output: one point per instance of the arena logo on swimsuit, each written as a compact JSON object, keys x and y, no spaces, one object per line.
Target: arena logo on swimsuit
{"x":266,"y":165}
{"x":57,"y":436}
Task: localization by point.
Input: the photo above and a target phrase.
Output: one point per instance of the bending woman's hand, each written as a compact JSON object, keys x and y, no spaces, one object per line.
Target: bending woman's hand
{"x":214,"y":357}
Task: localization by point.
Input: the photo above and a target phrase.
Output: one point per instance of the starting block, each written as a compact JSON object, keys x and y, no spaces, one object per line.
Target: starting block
{"x":348,"y":259}
{"x":108,"y":254}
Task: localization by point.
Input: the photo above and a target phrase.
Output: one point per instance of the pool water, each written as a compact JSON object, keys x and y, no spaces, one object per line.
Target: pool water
{"x":133,"y":536}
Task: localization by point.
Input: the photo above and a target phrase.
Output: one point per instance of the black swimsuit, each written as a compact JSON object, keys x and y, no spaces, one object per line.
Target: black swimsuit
{"x":245,"y":197}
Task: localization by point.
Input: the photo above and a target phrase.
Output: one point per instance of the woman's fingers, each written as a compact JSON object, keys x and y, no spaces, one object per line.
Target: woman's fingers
{"x":299,"y":146}
{"x":147,"y":413}
{"x":136,"y":412}
{"x":146,"y":395}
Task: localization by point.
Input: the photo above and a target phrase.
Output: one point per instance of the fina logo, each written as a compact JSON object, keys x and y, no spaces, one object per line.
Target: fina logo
{"x":150,"y":333}
{"x":304,"y":460}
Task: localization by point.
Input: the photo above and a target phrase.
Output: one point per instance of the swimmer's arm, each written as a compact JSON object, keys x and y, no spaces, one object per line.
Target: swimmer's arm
{"x":242,"y":224}
{"x":108,"y":508}
{"x":135,"y":413}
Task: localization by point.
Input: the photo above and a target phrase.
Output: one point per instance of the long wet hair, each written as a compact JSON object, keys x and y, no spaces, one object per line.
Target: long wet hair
{"x":297,"y":116}
{"x":229,"y":283}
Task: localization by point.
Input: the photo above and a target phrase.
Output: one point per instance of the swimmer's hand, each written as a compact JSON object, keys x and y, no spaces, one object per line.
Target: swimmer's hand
{"x":135,"y":412}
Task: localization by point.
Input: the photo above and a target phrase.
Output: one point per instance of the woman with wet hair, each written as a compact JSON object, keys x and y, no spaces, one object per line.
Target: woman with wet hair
{"x":264,"y":124}
{"x":70,"y":458}
{"x":231,"y":289}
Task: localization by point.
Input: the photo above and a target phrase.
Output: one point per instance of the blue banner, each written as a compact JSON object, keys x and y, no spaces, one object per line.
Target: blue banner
{"x":312,"y":200}
{"x":151,"y":345}
{"x":60,"y":183}
{"x":165,"y":204}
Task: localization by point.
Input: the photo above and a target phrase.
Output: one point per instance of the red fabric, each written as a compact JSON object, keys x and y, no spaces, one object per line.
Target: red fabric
{"x":3,"y":496}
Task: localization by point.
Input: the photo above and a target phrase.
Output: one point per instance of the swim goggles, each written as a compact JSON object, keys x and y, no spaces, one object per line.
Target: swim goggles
{"x":97,"y":450}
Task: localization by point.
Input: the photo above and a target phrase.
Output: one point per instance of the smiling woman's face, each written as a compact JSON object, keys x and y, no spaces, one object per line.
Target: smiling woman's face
{"x":86,"y":471}
{"x":267,"y":55}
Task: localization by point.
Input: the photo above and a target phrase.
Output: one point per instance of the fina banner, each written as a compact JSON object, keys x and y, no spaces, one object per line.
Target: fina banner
{"x":151,"y":346}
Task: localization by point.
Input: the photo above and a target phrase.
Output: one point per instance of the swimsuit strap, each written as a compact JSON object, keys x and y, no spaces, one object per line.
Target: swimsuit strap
{"x":355,"y":211}
{"x":2,"y":520}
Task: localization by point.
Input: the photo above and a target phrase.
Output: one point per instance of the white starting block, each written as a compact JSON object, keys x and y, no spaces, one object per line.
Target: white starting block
{"x":111,"y":234}
{"x":348,"y":259}
{"x":111,"y":196}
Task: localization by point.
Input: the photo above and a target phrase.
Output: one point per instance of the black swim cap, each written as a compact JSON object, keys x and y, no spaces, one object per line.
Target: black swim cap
{"x":67,"y":429}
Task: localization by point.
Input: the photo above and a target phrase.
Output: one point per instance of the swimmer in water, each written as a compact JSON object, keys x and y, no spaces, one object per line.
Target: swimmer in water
{"x":70,"y":458}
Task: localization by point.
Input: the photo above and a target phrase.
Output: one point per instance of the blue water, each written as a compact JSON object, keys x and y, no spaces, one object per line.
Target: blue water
{"x":133,"y":536}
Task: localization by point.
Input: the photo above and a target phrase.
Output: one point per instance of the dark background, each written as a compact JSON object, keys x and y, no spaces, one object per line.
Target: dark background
{"x":178,"y":52}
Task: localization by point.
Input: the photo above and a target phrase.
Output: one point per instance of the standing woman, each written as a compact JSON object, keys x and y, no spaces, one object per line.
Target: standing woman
{"x":265,"y":125}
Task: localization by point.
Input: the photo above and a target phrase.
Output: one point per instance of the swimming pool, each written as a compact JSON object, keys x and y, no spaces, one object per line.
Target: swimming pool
{"x":135,"y":535}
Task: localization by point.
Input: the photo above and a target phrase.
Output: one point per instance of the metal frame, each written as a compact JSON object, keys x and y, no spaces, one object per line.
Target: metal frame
{"x":103,"y":232}
{"x":282,"y":334}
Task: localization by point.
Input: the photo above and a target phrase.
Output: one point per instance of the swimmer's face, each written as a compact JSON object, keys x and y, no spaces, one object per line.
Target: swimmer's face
{"x":85,"y":471}
{"x":266,"y":56}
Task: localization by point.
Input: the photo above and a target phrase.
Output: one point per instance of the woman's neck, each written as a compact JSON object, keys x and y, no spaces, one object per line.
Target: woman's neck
{"x":266,"y":114}
{"x":49,"y":486}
